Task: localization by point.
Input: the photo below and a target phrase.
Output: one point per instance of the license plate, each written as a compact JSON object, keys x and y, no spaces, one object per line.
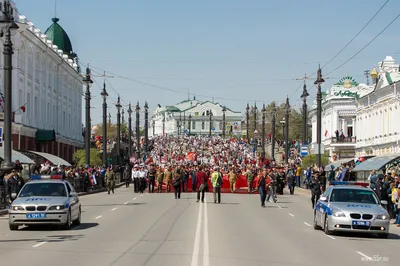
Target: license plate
{"x":36,"y":215}
{"x":364,"y":223}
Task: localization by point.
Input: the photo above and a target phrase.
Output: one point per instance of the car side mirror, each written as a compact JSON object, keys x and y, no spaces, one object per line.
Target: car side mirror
{"x":73,"y":194}
{"x":384,"y":202}
{"x":13,"y":196}
{"x":323,"y":199}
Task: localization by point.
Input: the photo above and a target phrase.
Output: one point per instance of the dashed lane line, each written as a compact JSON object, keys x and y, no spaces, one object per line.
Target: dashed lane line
{"x":133,"y":198}
{"x":363,"y":255}
{"x":279,"y":207}
{"x":39,"y":244}
{"x":126,"y":202}
{"x":98,"y":217}
{"x":307,"y":224}
{"x":113,"y":209}
{"x":331,"y":237}
{"x":291,"y":214}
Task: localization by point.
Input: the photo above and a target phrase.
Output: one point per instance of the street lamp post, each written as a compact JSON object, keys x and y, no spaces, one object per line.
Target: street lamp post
{"x":263,"y":133}
{"x":190,"y":123}
{"x":154,"y":128}
{"x":318,"y":82}
{"x":223,"y":122}
{"x":273,"y":122}
{"x":119,"y":106}
{"x":88,"y":82}
{"x":137,"y":131}
{"x":146,"y":127}
{"x":287,"y":130}
{"x":104,"y":94}
{"x":210,"y":123}
{"x":123,"y":116}
{"x":304,"y":125}
{"x":7,"y":19}
{"x":255,"y":117}
{"x":130,"y":130}
{"x":247,"y":121}
{"x":283,"y":123}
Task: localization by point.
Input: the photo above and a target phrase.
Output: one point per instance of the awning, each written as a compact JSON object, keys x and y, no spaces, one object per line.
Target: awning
{"x":45,"y":135}
{"x":375,"y":163}
{"x":15,"y":155}
{"x":337,"y":164}
{"x":40,"y":157}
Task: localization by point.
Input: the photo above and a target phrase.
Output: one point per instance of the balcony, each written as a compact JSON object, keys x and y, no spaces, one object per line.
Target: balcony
{"x":344,"y":140}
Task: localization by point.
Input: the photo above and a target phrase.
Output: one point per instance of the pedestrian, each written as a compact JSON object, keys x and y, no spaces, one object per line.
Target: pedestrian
{"x":160,"y":178}
{"x":168,"y":178}
{"x":110,"y":180}
{"x":202,"y":182}
{"x":216,"y":180}
{"x":290,"y":180}
{"x":176,"y":183}
{"x":316,"y":189}
{"x":271,"y":184}
{"x":261,"y":185}
{"x":135,"y":178}
{"x":151,"y":176}
{"x":142,"y":179}
{"x":232,"y":179}
{"x":250,"y":179}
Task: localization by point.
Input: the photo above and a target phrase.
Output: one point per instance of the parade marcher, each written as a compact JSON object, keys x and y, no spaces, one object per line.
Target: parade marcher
{"x":193,"y":174}
{"x":177,"y":183}
{"x":168,"y":178}
{"x":127,"y":177}
{"x":315,"y":187}
{"x":14,"y":183}
{"x":142,"y":179}
{"x":261,"y":185}
{"x":160,"y":178}
{"x":185,"y":178}
{"x":135,"y":178}
{"x":216,"y":180}
{"x":151,"y":175}
{"x":291,"y":181}
{"x":232,"y":179}
{"x":250,"y":179}
{"x":110,"y":180}
{"x":202,"y":183}
{"x":271,"y":184}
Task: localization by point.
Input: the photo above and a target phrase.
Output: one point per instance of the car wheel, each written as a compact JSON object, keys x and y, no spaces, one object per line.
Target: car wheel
{"x":78,"y":220}
{"x":13,"y":227}
{"x":383,"y":235}
{"x":316,"y":226}
{"x":67,"y":224}
{"x":326,"y":226}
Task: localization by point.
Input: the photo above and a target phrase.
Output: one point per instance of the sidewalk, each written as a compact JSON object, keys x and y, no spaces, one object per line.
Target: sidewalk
{"x":5,"y":211}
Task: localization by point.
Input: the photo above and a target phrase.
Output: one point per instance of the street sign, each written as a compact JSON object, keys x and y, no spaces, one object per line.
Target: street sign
{"x":304,"y":150}
{"x":236,"y":123}
{"x":1,"y":134}
{"x":213,"y":129}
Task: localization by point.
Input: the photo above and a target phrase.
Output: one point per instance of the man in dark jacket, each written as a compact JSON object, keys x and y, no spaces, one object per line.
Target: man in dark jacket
{"x":202,"y":184}
{"x":315,"y":187}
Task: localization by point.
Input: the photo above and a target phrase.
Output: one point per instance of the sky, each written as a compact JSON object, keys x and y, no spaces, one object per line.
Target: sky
{"x":232,"y":51}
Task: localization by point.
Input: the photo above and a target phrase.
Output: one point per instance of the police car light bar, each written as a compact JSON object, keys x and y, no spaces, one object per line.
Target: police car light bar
{"x":45,"y":177}
{"x":348,"y":183}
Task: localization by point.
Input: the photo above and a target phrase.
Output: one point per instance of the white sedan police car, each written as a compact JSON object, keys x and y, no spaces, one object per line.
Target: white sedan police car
{"x":45,"y":200}
{"x":353,"y":207}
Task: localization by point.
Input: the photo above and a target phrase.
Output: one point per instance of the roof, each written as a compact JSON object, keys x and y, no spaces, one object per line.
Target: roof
{"x":337,"y":164}
{"x":173,"y":109}
{"x":15,"y":155}
{"x":375,"y":163}
{"x":46,"y":156}
{"x":347,"y":80}
{"x":59,"y":37}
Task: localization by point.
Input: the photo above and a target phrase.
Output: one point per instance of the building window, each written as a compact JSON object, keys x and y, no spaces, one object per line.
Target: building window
{"x":30,"y":63}
{"x":48,"y":113}
{"x":22,"y":58}
{"x":36,"y":109}
{"x":43,"y":72}
{"x":194,"y":125}
{"x":28,"y":107}
{"x":64,"y":121}
{"x":37,"y":67}
{"x":203,"y":125}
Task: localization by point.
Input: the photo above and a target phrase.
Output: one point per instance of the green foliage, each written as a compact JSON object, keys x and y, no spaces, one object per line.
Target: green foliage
{"x":311,"y":159}
{"x":95,"y":158}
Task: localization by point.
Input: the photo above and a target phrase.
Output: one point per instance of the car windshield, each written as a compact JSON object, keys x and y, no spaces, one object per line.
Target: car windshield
{"x":43,"y":190}
{"x":353,"y":196}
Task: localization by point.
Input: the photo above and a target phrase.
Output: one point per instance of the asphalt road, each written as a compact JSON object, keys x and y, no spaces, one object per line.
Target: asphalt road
{"x":155,"y":229}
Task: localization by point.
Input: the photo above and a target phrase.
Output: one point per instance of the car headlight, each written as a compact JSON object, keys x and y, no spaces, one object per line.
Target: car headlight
{"x":57,"y":208}
{"x":338,"y":214}
{"x":17,"y":208}
{"x":382,"y":217}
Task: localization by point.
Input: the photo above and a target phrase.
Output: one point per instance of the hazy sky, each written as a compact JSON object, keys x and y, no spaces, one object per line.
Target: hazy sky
{"x":234,"y":50}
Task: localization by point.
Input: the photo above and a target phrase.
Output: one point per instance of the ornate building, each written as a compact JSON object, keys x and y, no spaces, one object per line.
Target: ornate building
{"x":378,"y":111}
{"x":195,"y":117}
{"x":47,"y":91}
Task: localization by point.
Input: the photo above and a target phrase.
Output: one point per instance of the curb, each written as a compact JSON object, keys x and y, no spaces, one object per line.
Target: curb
{"x":5,"y":211}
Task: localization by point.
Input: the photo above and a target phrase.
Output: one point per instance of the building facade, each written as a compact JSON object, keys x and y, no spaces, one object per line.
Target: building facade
{"x":194,"y":117}
{"x":339,"y":114}
{"x":378,"y":111}
{"x":46,"y":91}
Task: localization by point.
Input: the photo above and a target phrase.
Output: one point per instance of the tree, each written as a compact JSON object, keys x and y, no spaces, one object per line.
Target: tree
{"x":311,"y":159}
{"x":80,"y":160}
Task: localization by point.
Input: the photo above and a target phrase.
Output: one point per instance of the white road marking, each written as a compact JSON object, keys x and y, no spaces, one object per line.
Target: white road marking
{"x":291,"y":214}
{"x":141,"y":195}
{"x":279,"y":207}
{"x":98,"y":217}
{"x":196,"y":247}
{"x":126,"y":202}
{"x":206,"y":247}
{"x":39,"y":244}
{"x":331,"y":237}
{"x":363,"y":255}
{"x":113,"y":209}
{"x":307,"y":224}
{"x":133,"y":198}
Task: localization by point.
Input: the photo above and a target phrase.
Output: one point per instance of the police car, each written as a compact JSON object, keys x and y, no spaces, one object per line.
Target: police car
{"x":352,"y":207}
{"x":45,"y":200}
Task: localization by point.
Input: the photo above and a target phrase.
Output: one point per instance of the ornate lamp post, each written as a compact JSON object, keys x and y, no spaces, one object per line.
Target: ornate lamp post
{"x":190,"y":123}
{"x":223,"y":121}
{"x":283,"y":123}
{"x":88,"y":82}
{"x":137,"y":131}
{"x":119,"y":106}
{"x":273,"y":122}
{"x":255,"y":117}
{"x":123,"y":116}
{"x":247,"y":121}
{"x":287,"y":130}
{"x":263,"y":133}
{"x":209,"y":133}
{"x":305,"y":128}
{"x":104,"y":94}
{"x":318,"y":82}
{"x":146,"y":127}
{"x":8,"y":29}
{"x":130,"y":130}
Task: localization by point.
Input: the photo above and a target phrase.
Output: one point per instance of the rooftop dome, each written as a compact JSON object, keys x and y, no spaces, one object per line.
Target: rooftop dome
{"x":59,"y":37}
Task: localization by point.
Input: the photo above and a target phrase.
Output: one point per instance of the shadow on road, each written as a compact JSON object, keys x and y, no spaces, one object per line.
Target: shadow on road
{"x":110,"y":205}
{"x":50,"y":239}
{"x":364,"y":237}
{"x":82,"y":226}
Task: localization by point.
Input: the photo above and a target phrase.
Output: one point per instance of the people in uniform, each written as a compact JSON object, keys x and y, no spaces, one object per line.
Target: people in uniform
{"x":261,"y":185}
{"x":271,"y":182}
{"x":110,"y":180}
{"x":168,"y":178}
{"x":151,"y":175}
{"x":160,"y":179}
{"x":14,"y":183}
{"x":135,"y":178}
{"x":142,"y":178}
{"x":232,"y":179}
{"x":315,"y":187}
{"x":177,"y":182}
{"x":250,"y":179}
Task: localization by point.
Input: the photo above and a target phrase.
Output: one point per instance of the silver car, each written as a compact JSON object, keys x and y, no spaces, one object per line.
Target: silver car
{"x":351,"y":208}
{"x":45,"y":202}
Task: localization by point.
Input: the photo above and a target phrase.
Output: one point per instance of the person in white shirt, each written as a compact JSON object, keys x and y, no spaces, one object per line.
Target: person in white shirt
{"x":142,"y":177}
{"x":135,"y":178}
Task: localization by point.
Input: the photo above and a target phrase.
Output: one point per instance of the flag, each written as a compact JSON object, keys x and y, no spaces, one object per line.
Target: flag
{"x":23,"y":108}
{"x":326,"y":133}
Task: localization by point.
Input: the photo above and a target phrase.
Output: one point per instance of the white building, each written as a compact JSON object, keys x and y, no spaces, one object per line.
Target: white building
{"x":46,"y":91}
{"x":175,"y":119}
{"x":338,"y":118}
{"x":378,"y":113}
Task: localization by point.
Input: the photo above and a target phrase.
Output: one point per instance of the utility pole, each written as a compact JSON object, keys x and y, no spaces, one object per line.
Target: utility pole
{"x":287,"y":130}
{"x":273,"y":122}
{"x":88,"y":130}
{"x":304,"y":122}
{"x":104,"y":94}
{"x":318,"y":82}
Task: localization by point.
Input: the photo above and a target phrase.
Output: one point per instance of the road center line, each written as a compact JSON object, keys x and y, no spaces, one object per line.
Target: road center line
{"x":307,"y":224}
{"x":331,"y":237}
{"x":113,"y":209}
{"x":39,"y":244}
{"x":206,"y":247}
{"x":126,"y":202}
{"x":363,"y":255}
{"x":279,"y":207}
{"x":98,"y":217}
{"x":133,"y":198}
{"x":291,"y":214}
{"x":196,"y":246}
